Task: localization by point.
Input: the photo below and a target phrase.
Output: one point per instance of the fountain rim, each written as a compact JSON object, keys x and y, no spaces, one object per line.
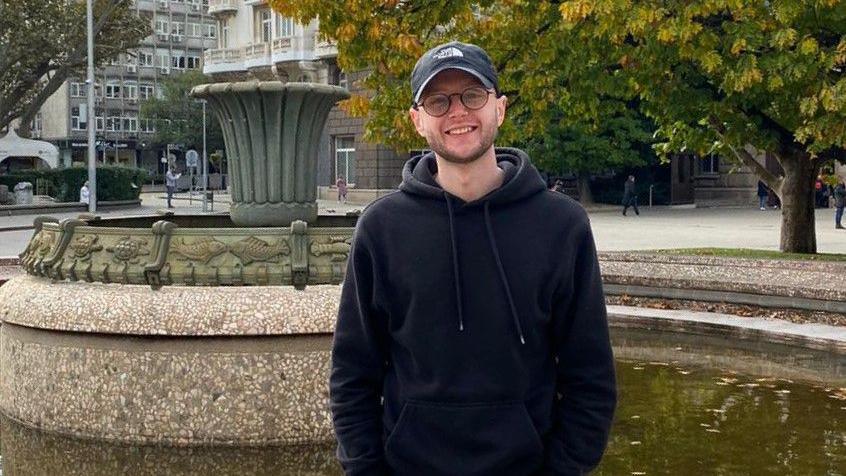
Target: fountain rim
{"x":210,"y":89}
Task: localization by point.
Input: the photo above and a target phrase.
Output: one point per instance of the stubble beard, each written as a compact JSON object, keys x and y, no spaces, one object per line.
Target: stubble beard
{"x":485,"y":143}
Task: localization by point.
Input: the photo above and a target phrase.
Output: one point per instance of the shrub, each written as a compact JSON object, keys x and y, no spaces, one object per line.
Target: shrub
{"x":113,"y":182}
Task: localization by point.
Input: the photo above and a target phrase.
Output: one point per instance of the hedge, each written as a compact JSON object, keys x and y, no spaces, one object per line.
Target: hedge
{"x":113,"y":182}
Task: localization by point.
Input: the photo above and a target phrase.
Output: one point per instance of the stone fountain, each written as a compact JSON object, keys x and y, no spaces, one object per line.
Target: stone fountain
{"x":205,"y":329}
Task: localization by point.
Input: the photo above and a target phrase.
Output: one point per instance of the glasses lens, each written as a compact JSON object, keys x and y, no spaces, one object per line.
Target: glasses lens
{"x":436,"y":104}
{"x":474,"y":98}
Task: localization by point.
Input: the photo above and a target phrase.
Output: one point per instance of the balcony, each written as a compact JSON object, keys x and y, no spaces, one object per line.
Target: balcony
{"x":221,"y":60}
{"x":257,"y":55}
{"x":324,"y":48}
{"x":222,"y":6}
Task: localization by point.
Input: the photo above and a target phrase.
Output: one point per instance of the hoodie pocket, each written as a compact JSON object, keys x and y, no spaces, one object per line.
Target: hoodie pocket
{"x":464,"y":439}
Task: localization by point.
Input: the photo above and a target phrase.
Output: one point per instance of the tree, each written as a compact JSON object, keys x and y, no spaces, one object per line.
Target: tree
{"x":621,"y":139}
{"x":43,"y":43}
{"x":734,"y":77}
{"x":179,"y":117}
{"x":387,"y":37}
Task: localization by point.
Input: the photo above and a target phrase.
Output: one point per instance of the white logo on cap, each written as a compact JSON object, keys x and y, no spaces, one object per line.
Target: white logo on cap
{"x":448,"y":53}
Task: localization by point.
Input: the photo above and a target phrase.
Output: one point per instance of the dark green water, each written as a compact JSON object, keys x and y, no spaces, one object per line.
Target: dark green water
{"x":671,"y":420}
{"x":689,"y":405}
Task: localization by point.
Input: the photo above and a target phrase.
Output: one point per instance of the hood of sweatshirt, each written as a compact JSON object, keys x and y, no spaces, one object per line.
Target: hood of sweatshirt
{"x":521,"y":180}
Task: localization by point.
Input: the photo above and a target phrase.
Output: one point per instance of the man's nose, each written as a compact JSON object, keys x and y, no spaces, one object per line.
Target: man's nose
{"x":456,"y":107}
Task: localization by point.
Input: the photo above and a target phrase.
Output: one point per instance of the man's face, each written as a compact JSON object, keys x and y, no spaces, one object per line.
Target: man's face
{"x":461,"y":135}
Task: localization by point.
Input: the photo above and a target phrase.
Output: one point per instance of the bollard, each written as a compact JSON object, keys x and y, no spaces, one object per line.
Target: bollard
{"x":210,"y":199}
{"x":650,"y":195}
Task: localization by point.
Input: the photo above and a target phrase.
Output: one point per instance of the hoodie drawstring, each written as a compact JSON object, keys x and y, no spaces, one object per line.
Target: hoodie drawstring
{"x":502,"y":275}
{"x":500,"y":268}
{"x":456,"y":274}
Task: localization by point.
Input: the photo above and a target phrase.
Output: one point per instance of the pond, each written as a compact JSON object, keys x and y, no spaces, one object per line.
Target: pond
{"x":763,"y":410}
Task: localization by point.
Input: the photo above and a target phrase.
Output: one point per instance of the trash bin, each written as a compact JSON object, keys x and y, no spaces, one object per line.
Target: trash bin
{"x":210,"y":199}
{"x":23,"y":193}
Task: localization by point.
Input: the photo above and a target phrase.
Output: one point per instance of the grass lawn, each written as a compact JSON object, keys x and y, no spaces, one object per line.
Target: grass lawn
{"x":753,"y":254}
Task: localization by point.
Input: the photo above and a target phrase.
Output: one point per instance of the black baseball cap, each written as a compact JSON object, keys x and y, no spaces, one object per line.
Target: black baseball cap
{"x":453,"y":55}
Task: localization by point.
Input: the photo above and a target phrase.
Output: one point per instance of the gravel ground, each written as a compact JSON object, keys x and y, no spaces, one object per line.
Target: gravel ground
{"x":792,"y":315}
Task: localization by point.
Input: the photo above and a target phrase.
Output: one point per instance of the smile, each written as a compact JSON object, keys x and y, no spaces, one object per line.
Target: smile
{"x":460,"y":130}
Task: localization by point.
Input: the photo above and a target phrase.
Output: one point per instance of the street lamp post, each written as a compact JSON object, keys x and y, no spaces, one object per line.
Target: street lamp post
{"x":205,"y":163}
{"x":92,"y":156}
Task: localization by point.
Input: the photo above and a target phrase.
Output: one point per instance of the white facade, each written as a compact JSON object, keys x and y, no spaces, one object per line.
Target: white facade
{"x":257,"y":42}
{"x":181,"y":31}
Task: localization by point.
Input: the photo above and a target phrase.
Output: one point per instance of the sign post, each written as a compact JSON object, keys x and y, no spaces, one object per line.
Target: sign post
{"x":191,"y":158}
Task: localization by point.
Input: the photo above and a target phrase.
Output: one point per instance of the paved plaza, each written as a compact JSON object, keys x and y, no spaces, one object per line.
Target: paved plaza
{"x":655,"y":228}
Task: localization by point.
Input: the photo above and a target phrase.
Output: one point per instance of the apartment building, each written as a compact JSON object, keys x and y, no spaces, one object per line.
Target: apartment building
{"x":255,"y":42}
{"x":182,"y":30}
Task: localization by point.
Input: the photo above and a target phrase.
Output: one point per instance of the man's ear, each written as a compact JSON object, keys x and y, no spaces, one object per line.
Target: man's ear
{"x":414,"y":114}
{"x":501,"y":103}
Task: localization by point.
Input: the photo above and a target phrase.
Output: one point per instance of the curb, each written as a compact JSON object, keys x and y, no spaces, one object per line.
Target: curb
{"x":812,"y":336}
{"x":67,"y":207}
{"x":729,"y":297}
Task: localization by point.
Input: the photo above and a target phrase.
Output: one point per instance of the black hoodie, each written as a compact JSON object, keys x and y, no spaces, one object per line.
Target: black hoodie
{"x":472,"y":336}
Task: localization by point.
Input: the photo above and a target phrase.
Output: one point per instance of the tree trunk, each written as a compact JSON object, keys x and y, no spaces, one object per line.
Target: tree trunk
{"x":583,"y":187}
{"x":798,"y":234}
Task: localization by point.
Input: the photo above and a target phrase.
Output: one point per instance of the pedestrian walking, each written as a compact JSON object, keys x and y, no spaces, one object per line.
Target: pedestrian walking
{"x":763,"y":195}
{"x":85,"y":193}
{"x":630,"y":196}
{"x":170,"y":183}
{"x":341,"y":184}
{"x":558,"y":186}
{"x":839,"y":203}
{"x":472,"y":334}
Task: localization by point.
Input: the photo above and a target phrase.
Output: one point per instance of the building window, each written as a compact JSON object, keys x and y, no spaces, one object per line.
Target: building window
{"x":345,"y":158}
{"x":194,"y":62}
{"x":177,"y":28}
{"x":130,"y":91}
{"x":145,"y":58}
{"x":77,"y":90}
{"x":146,"y":91}
{"x":164,"y":59}
{"x":210,"y":31}
{"x":263,"y":23}
{"x":177,"y":61}
{"x":195,"y":30}
{"x":284,"y":26}
{"x":113,"y":90}
{"x":224,"y":33}
{"x":709,"y":164}
{"x":79,"y":118}
{"x":113,"y":123}
{"x":162,"y":27}
{"x":130,"y":124}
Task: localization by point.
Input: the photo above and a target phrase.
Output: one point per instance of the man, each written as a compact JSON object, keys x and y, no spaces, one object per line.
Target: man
{"x":629,"y":196}
{"x":763,"y":193}
{"x":170,"y":183}
{"x":839,"y":203}
{"x":558,"y":187}
{"x":85,"y":193}
{"x":472,"y":335}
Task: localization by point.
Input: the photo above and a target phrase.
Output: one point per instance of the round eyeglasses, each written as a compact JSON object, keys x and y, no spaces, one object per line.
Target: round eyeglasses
{"x":436,"y":105}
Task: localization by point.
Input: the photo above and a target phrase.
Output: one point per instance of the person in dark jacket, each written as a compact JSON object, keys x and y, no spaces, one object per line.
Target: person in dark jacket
{"x":472,"y":336}
{"x":763,"y":194}
{"x":629,"y":196}
{"x":839,"y":203}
